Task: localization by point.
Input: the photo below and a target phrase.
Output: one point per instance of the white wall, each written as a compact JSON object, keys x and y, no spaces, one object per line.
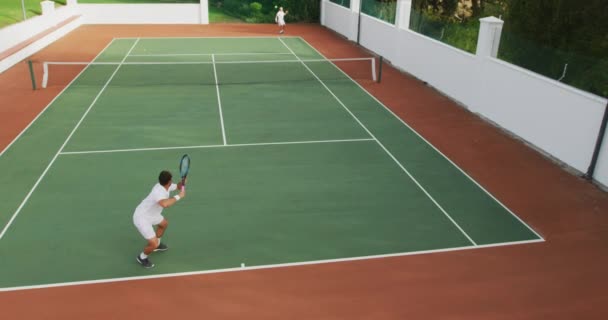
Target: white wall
{"x":557,"y":119}
{"x":371,"y":36}
{"x":17,"y":33}
{"x":560,"y":120}
{"x":180,"y":13}
{"x":341,"y":19}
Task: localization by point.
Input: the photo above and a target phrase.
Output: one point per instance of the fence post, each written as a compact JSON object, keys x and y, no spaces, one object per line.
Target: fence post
{"x":323,"y":8}
{"x":404,"y":9}
{"x":23,"y":9}
{"x":489,"y":37}
{"x":355,"y":7}
{"x":48,"y":7}
{"x":204,"y":9}
{"x":598,"y":146}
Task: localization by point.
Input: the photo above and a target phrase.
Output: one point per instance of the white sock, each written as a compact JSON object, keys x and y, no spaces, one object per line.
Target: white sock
{"x":159,"y":241}
{"x":143,"y":256}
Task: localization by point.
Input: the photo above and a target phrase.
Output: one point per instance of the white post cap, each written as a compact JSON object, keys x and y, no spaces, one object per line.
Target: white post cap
{"x":48,"y":7}
{"x":488,"y":41}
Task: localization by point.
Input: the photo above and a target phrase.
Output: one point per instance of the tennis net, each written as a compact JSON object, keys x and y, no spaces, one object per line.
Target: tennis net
{"x":206,"y":72}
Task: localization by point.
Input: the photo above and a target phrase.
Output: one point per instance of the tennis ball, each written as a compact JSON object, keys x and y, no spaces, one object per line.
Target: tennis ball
{"x":276,"y":7}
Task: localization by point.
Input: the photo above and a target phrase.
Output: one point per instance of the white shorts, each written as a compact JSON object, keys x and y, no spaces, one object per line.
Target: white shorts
{"x":145,"y":225}
{"x":281,"y":23}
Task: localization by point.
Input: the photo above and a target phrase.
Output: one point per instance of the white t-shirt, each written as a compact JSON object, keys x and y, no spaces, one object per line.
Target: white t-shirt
{"x":149,"y":207}
{"x":280,"y":19}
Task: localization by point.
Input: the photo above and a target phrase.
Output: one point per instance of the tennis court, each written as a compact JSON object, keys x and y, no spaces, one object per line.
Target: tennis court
{"x":293,"y":163}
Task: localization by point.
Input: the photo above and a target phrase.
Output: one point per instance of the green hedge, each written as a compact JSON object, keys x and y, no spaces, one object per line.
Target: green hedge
{"x":264,"y":11}
{"x":344,"y":3}
{"x":139,"y":1}
{"x":382,"y":9}
{"x":541,"y":36}
{"x":11,"y":11}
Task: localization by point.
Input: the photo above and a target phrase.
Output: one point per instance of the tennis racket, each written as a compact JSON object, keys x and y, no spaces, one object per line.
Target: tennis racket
{"x":184,"y":167}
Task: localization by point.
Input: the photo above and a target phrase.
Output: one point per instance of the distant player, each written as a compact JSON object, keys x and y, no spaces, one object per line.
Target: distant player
{"x":148,"y":214}
{"x":280,"y":19}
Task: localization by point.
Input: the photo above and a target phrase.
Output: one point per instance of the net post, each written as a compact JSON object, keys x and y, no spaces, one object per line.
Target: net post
{"x":373,"y":61}
{"x":32,"y":76}
{"x":45,"y":74}
{"x":359,"y":25}
{"x":598,"y":146}
{"x":381,"y":62}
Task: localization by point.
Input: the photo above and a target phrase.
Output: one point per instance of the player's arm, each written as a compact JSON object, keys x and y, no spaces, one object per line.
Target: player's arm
{"x":166,"y":203}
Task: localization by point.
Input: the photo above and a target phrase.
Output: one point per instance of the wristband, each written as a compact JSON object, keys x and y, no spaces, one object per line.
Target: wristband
{"x":177,"y":197}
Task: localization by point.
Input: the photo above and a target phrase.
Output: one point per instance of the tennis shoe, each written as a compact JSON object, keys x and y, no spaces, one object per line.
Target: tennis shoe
{"x":161,"y":247}
{"x":145,"y":262}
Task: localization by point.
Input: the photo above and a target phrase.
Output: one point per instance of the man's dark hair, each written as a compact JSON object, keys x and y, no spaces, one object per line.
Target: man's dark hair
{"x":164,"y":177}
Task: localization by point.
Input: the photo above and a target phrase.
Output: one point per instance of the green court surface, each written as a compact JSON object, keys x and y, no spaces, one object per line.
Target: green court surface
{"x":292,"y":163}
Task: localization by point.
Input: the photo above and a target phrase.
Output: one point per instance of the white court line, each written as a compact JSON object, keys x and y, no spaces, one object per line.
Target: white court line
{"x":207,"y":54}
{"x":219,"y":100}
{"x":269,"y":266}
{"x":62,"y":146}
{"x":430,"y":144}
{"x":56,"y":97}
{"x":215,"y":146}
{"x":201,"y":62}
{"x":384,"y":148}
{"x":286,"y":264}
{"x":211,"y":37}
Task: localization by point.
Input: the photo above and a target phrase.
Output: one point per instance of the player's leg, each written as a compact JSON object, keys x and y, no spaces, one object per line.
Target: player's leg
{"x":160,"y":230}
{"x":147,"y":231}
{"x":161,"y":227}
{"x":151,"y":246}
{"x":142,"y":258}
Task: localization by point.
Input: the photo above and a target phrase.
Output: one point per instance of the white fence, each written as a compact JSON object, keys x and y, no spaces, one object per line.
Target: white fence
{"x":19,"y":32}
{"x":560,"y":120}
{"x":176,"y":13}
{"x":67,"y":18}
{"x":14,"y":35}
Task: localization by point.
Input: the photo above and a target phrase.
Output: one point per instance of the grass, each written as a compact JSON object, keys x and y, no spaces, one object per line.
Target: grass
{"x":584,"y":72}
{"x":138,"y":1}
{"x":217,"y":15}
{"x":11,"y":12}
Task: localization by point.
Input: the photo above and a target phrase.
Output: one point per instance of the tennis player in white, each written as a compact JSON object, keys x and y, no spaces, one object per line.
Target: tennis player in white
{"x":280,"y":19}
{"x":148,"y":214}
